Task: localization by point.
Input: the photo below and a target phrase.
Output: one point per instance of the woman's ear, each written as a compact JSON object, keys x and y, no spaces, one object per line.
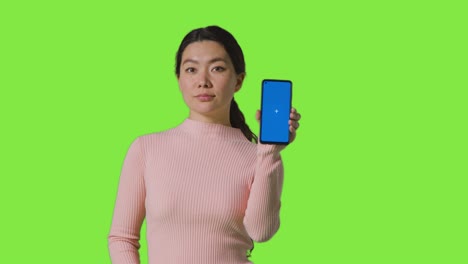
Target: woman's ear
{"x":239,"y":80}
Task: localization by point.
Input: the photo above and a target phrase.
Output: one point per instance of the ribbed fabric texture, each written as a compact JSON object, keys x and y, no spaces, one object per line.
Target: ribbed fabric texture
{"x":204,"y":189}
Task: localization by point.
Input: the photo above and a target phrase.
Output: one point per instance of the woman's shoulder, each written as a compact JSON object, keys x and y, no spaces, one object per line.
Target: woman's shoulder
{"x":158,"y":135}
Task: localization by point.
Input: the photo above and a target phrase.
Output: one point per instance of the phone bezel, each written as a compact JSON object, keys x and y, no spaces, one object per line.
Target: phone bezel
{"x":261,"y":107}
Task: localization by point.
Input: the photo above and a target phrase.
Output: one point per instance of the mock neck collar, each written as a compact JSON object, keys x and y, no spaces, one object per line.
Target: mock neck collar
{"x":211,"y":130}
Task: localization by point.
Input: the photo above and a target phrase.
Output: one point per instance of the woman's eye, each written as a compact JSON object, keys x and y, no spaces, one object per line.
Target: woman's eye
{"x":190,"y":70}
{"x":218,"y":69}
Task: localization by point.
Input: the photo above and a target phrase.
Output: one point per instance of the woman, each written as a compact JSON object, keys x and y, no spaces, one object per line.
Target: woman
{"x":207,"y":191}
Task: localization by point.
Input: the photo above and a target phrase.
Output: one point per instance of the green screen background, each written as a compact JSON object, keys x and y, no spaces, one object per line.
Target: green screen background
{"x":377,"y":173}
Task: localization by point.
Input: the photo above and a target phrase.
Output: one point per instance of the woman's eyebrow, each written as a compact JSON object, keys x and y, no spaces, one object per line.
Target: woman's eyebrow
{"x":210,"y":61}
{"x":190,"y":61}
{"x":217,"y":59}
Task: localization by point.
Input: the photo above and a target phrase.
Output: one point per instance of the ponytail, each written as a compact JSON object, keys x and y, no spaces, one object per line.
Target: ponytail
{"x":238,"y":121}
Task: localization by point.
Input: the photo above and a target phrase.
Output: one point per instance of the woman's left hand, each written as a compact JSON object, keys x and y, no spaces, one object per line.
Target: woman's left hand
{"x":294,"y":118}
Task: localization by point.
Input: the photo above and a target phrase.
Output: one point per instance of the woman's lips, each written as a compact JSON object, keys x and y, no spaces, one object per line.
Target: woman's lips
{"x":205,"y":97}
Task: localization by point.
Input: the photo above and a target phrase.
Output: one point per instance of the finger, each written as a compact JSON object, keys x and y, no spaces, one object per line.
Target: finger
{"x":298,"y":117}
{"x":295,"y":116}
{"x":294,"y":124}
{"x":292,"y":135}
{"x":257,"y":115}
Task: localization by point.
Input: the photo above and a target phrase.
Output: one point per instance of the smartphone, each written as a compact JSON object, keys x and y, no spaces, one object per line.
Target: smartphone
{"x":275,"y":107}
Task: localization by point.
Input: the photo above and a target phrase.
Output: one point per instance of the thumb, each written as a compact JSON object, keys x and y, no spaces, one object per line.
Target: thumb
{"x":257,"y":115}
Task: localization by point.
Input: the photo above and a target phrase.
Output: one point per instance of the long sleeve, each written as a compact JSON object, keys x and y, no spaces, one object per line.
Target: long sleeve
{"x":129,"y":211}
{"x":263,"y":207}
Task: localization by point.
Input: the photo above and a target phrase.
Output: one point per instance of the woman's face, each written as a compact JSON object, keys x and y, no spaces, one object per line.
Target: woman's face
{"x":208,"y":80}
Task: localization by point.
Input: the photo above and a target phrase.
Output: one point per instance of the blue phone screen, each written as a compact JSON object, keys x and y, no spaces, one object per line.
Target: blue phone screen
{"x":276,"y":106}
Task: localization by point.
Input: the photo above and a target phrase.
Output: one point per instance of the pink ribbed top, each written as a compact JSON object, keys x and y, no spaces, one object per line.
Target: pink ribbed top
{"x":204,"y":189}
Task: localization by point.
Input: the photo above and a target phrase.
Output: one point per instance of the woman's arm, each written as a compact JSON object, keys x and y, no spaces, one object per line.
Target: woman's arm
{"x":262,"y":214}
{"x":263,"y":207}
{"x":129,"y":211}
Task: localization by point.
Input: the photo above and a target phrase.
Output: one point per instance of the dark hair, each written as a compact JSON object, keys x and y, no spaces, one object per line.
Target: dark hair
{"x":227,"y":40}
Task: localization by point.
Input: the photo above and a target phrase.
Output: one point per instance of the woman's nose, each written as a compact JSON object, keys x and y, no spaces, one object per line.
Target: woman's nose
{"x":204,"y":80}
